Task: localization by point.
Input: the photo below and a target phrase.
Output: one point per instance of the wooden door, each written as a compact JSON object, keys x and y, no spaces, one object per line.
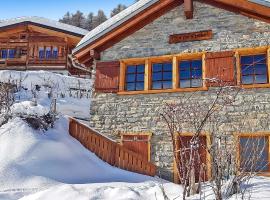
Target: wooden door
{"x":200,"y":157}
{"x":138,"y":144}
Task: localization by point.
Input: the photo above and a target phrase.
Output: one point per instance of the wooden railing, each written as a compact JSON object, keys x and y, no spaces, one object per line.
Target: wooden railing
{"x":110,"y":151}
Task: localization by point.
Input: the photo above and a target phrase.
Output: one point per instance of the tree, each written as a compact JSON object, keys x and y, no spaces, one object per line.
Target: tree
{"x":118,"y":9}
{"x":99,"y":19}
{"x":66,"y":19}
{"x":78,"y":19}
{"x":89,"y":22}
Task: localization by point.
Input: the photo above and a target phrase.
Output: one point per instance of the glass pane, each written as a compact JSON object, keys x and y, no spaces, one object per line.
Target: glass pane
{"x":131,"y":77}
{"x":140,"y":69}
{"x":247,"y":70}
{"x":157,"y":67}
{"x":140,"y":86}
{"x":167,"y":76}
{"x":11,"y":53}
{"x":140,"y":77}
{"x":261,"y":78}
{"x":254,"y":154}
{"x":196,"y":83}
{"x":167,"y":84}
{"x":41,"y":54}
{"x":48,"y":54}
{"x":185,"y":84}
{"x":130,"y":86}
{"x":185,"y":75}
{"x":167,"y":67}
{"x":185,"y":65}
{"x":196,"y":73}
{"x":157,"y":85}
{"x":196,"y":64}
{"x":157,"y":76}
{"x":260,"y":58}
{"x":131,"y":69}
{"x":55,"y":54}
{"x":247,"y":79}
{"x":246,"y":59}
{"x":260,"y":69}
{"x":4,"y":53}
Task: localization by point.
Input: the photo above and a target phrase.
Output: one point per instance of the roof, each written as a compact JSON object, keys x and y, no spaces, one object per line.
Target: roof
{"x":262,"y":2}
{"x":44,"y":22}
{"x":121,"y":25}
{"x":114,"y":22}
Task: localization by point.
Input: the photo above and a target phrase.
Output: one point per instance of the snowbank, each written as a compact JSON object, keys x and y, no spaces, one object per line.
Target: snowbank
{"x":32,"y":161}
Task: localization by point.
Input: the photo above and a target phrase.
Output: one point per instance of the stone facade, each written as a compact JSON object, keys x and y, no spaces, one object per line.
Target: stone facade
{"x":112,"y":114}
{"x":230,"y":31}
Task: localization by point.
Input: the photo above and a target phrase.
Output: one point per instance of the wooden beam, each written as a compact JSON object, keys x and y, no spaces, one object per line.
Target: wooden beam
{"x":188,"y":8}
{"x":94,"y":54}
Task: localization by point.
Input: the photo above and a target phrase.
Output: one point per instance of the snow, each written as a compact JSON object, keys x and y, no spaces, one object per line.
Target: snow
{"x":114,"y":22}
{"x":53,"y":165}
{"x":70,"y":104}
{"x":46,"y":22}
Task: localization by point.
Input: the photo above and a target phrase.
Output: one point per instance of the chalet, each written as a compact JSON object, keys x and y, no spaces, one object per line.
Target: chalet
{"x":156,"y":51}
{"x":34,"y":43}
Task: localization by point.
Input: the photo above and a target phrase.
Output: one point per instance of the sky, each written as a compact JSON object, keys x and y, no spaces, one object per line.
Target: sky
{"x":55,"y":9}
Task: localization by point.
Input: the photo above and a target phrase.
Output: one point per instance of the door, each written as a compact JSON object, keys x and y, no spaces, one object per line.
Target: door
{"x":138,"y":143}
{"x":200,"y":158}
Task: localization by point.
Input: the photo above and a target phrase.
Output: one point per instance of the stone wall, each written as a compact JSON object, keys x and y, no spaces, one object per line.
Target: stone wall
{"x":112,"y":114}
{"x":230,"y":31}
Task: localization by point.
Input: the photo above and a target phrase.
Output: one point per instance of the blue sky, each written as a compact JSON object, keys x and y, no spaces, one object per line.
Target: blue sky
{"x":55,"y":9}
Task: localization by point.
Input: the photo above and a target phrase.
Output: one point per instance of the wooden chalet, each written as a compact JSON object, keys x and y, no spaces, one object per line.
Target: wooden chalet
{"x":156,"y":51}
{"x":34,"y":43}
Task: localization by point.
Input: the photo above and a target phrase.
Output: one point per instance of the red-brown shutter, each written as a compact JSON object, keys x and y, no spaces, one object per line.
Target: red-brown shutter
{"x":107,"y":77}
{"x":220,"y":66}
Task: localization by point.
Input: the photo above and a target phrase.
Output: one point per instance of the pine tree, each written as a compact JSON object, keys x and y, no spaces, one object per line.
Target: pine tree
{"x":66,"y":19}
{"x":99,"y":19}
{"x":118,"y":9}
{"x":89,"y":22}
{"x":78,"y":19}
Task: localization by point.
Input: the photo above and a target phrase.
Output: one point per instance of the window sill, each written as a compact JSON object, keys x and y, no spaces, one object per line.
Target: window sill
{"x":267,"y":85}
{"x":163,"y":91}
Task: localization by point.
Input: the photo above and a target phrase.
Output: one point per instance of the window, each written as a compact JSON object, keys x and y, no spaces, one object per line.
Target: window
{"x":190,"y":74}
{"x":11,"y":53}
{"x":135,"y":77}
{"x":48,"y":53}
{"x":4,"y":53}
{"x":254,"y":153}
{"x":254,"y":69}
{"x":55,"y":52}
{"x":41,"y":53}
{"x":161,"y":76}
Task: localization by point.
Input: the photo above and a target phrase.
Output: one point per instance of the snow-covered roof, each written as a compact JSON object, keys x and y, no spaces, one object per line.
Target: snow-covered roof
{"x":114,"y":22}
{"x":45,"y":23}
{"x":262,"y":2}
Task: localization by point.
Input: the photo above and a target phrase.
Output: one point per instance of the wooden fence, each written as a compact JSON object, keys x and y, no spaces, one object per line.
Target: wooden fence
{"x":110,"y":151}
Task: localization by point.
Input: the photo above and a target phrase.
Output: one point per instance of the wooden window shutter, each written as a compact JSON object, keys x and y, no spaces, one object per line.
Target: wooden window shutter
{"x":220,"y":66}
{"x":107,"y":77}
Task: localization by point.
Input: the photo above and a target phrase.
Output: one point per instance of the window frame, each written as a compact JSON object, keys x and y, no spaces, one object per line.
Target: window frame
{"x":252,"y":135}
{"x":149,"y":61}
{"x":251,"y":52}
{"x":136,"y":73}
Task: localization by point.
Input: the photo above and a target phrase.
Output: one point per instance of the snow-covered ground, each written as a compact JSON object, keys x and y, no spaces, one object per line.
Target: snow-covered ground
{"x":51,"y":165}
